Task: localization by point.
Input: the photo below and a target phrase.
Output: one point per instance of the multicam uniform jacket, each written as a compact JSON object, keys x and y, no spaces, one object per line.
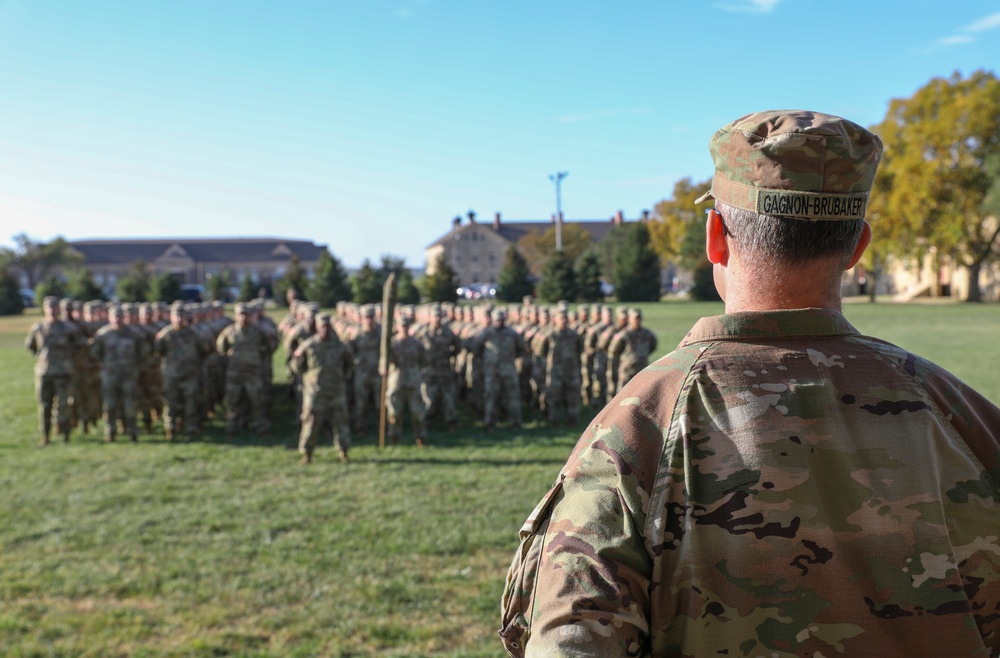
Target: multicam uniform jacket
{"x":779,"y":485}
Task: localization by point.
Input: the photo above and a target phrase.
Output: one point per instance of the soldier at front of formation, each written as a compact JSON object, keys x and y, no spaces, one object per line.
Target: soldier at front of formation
{"x":631,"y":348}
{"x":366,"y":344}
{"x":182,"y":349}
{"x":245,"y":347}
{"x":562,"y":347}
{"x":442,"y":346}
{"x":324,"y":363}
{"x":53,"y":343}
{"x":120,"y":350}
{"x":497,"y":348}
{"x":403,"y":388}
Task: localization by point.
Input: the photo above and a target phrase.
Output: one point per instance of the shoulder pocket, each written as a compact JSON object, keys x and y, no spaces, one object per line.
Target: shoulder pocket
{"x":519,"y":588}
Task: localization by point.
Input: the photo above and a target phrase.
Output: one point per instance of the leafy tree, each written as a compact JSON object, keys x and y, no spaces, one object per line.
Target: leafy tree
{"x":366,"y":284}
{"x":558,"y":278}
{"x":10,"y":294}
{"x":442,"y":285}
{"x":80,"y":285}
{"x":134,"y":286}
{"x":330,"y":282}
{"x":535,"y":247}
{"x":248,"y":289}
{"x":165,"y":288}
{"x":588,"y":277}
{"x":677,"y":232}
{"x":295,"y":277}
{"x":37,"y":260}
{"x":608,"y":249}
{"x":216,"y":286}
{"x":637,"y":267}
{"x":50,"y":287}
{"x":515,"y":280}
{"x":938,"y":143}
{"x":406,"y":290}
{"x":703,"y":287}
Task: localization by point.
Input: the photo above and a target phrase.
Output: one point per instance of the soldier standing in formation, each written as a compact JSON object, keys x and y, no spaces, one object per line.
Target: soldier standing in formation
{"x":53,"y":343}
{"x":562,"y":348}
{"x":403,"y":388}
{"x":323,"y":362}
{"x":631,"y":348}
{"x":246,"y":347}
{"x":365,"y":344}
{"x":496,"y":349}
{"x":182,"y":349}
{"x":442,"y":346}
{"x":120,"y":350}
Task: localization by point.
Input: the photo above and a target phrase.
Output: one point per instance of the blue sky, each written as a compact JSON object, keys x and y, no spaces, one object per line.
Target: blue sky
{"x":369,"y":125}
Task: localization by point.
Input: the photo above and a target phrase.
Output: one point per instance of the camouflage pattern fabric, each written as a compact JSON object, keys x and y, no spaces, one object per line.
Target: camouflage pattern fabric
{"x":562,"y":350}
{"x":630,"y":350}
{"x":367,"y":382}
{"x":53,"y":345}
{"x":442,"y":347}
{"x":246,"y":348}
{"x":403,"y":386}
{"x":120,"y":353}
{"x":797,"y":164}
{"x":496,"y":351}
{"x":183,"y":350}
{"x":779,"y":485}
{"x":323,"y":366}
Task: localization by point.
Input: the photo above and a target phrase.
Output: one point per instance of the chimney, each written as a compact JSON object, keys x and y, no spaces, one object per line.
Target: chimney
{"x":496,"y":222}
{"x":455,"y":223}
{"x":472,"y":216}
{"x":618,"y":219}
{"x":560,"y":217}
{"x":645,"y":215}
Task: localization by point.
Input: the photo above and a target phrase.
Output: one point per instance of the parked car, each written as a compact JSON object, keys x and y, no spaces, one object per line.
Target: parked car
{"x":192,"y":292}
{"x":27,"y":297}
{"x":478,"y":291}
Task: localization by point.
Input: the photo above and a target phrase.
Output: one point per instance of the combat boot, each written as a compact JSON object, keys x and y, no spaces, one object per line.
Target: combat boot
{"x":307,"y":458}
{"x":343,"y":456}
{"x":66,"y":436}
{"x":44,"y":441}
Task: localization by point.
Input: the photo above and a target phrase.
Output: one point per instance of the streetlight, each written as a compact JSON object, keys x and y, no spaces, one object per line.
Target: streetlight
{"x":557,"y":179}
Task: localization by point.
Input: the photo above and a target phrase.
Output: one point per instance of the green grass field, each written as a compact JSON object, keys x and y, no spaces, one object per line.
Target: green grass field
{"x":225,"y":547}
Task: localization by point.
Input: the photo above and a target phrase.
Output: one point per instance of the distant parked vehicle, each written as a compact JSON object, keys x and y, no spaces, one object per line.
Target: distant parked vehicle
{"x":192,"y":292}
{"x":478,"y":291}
{"x":27,"y":297}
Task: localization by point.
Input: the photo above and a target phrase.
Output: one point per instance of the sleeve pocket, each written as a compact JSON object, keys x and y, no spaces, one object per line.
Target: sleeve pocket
{"x":519,"y":588}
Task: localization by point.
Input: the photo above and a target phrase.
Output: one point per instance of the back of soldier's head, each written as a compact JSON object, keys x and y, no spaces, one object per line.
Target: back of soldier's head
{"x":793,"y":186}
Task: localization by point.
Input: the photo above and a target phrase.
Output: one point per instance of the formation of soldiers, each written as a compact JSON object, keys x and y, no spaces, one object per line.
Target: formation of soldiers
{"x":122,"y":366}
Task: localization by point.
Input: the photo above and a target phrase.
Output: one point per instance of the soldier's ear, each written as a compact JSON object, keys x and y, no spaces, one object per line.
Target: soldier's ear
{"x":859,"y":250}
{"x":716,"y":245}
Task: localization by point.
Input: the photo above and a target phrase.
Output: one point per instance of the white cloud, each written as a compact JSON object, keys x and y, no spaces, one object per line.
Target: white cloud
{"x":749,"y":6}
{"x":955,"y":40}
{"x":968,"y":33}
{"x":984,"y":24}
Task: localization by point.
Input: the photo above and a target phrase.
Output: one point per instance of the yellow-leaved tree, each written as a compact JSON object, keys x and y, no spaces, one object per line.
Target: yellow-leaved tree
{"x":934,"y":183}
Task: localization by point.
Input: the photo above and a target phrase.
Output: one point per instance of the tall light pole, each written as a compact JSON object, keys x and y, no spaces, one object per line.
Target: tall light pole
{"x":557,"y":179}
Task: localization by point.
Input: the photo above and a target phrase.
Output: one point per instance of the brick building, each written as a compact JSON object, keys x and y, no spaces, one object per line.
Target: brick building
{"x":476,"y":250}
{"x":194,"y":260}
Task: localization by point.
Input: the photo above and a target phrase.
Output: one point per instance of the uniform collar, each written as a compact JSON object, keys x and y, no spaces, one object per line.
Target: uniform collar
{"x":807,"y":322}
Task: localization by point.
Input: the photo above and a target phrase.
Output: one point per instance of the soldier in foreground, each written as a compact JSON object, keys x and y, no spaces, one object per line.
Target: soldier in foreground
{"x":323,"y":362}
{"x":53,"y":343}
{"x":779,"y":485}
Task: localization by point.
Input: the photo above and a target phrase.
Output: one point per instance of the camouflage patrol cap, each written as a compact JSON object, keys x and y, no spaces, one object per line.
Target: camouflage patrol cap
{"x":406,"y":320}
{"x":498,"y":315}
{"x":367,"y":311}
{"x":796,"y":164}
{"x":621,"y":312}
{"x":635,"y":314}
{"x":239,"y":308}
{"x":323,"y":318}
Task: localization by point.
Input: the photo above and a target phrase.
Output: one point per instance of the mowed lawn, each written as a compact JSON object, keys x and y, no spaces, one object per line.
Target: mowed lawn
{"x":226,"y":547}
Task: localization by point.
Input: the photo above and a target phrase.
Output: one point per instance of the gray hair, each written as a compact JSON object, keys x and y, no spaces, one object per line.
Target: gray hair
{"x":768,"y":239}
